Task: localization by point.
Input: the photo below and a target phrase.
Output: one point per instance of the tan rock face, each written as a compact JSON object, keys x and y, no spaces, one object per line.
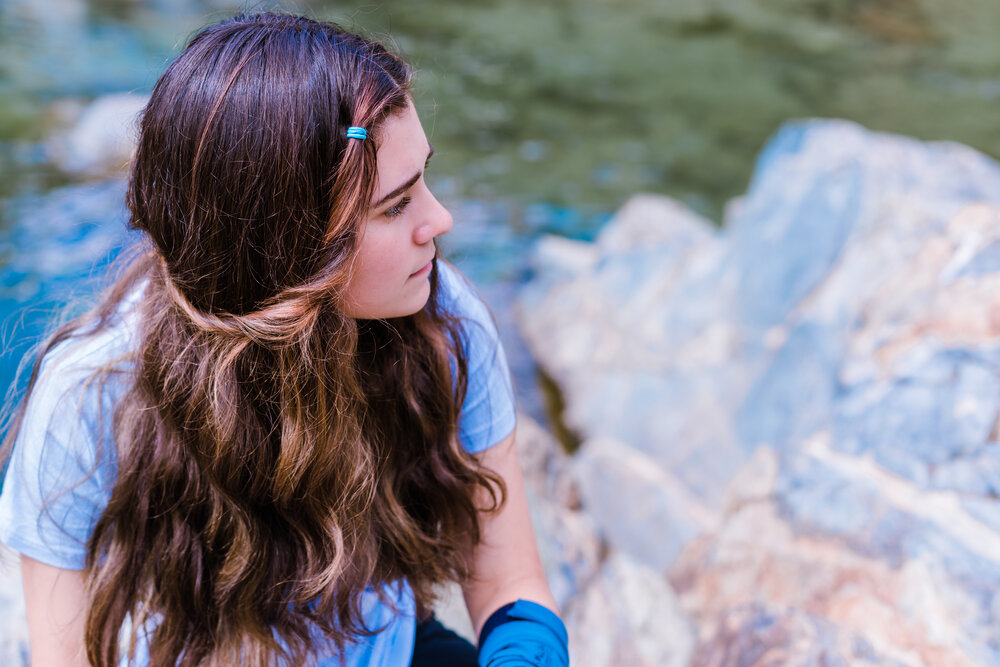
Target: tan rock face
{"x":909,"y":614}
{"x":639,"y":507}
{"x":759,"y":635}
{"x":628,"y":616}
{"x":617,"y":610}
{"x":796,"y":416}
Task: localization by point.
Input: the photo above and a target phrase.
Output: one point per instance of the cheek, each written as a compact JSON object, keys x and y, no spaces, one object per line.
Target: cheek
{"x":376,"y":268}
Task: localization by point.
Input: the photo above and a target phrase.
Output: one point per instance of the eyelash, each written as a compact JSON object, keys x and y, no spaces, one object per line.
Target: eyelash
{"x":397,"y":210}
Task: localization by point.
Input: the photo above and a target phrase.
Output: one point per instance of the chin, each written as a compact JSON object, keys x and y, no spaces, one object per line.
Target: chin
{"x":401,"y":309}
{"x":414,"y":308}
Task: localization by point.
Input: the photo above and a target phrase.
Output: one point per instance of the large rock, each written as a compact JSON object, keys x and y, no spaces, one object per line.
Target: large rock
{"x":639,"y":339}
{"x":628,"y":616}
{"x":639,"y":507}
{"x":759,"y":635}
{"x":907,"y":608}
{"x":618,"y":610}
{"x":818,"y":380}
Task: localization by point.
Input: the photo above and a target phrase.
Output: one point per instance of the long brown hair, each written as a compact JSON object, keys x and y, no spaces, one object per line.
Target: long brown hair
{"x":274,"y":456}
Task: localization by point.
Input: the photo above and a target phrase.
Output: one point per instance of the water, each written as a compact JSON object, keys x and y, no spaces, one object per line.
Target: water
{"x":545,"y":117}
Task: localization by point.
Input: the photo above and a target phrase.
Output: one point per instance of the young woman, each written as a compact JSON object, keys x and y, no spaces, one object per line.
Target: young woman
{"x":287,"y":420}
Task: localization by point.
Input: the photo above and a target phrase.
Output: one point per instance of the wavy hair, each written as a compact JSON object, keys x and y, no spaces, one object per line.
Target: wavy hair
{"x":275,"y":457}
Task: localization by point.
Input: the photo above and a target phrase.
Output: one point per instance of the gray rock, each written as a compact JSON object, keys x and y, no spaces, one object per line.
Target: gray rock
{"x":791,"y":230}
{"x":986,"y":510}
{"x":757,"y":634}
{"x":909,"y":610}
{"x":649,"y":221}
{"x":794,"y":396}
{"x":640,"y":509}
{"x":545,"y":465}
{"x":666,"y":349}
{"x":821,"y":377}
{"x":571,"y":550}
{"x":628,"y":616}
{"x":568,"y":541}
{"x":944,"y":411}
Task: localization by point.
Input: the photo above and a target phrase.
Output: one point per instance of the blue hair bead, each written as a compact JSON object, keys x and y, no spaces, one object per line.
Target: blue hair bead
{"x":357,"y":133}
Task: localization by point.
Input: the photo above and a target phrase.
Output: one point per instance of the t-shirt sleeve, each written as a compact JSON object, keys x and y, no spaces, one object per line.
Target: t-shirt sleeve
{"x":488,"y":413}
{"x":58,"y":480}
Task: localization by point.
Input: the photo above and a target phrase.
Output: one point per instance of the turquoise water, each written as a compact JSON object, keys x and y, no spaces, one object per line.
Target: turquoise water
{"x":545,"y":116}
{"x":572,"y":104}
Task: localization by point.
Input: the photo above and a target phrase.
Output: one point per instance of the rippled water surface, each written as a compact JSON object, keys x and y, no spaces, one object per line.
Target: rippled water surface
{"x":544,"y":116}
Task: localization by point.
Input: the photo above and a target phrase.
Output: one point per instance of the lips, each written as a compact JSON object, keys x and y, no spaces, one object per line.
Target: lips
{"x":425,"y":269}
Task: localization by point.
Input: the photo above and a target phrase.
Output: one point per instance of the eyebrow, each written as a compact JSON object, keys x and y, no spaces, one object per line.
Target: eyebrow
{"x":409,"y":182}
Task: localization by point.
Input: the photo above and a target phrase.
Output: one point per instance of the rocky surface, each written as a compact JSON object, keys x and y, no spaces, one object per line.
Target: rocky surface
{"x":794,"y":418}
{"x":758,"y":635}
{"x":618,"y":610}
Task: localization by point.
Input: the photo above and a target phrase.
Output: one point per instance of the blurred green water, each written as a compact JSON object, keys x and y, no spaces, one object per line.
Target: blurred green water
{"x":545,"y":116}
{"x":571,"y":104}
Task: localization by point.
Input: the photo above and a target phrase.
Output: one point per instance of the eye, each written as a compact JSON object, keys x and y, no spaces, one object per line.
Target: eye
{"x":397,"y":209}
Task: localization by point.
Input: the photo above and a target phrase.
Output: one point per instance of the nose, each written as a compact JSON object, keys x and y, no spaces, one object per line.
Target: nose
{"x":436,"y":221}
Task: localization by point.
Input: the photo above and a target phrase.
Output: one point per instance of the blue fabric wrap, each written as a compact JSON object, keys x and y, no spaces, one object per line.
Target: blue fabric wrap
{"x":524,"y":634}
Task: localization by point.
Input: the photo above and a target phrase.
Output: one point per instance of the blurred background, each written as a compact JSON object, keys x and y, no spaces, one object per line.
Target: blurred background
{"x":786,"y":436}
{"x":545,"y":117}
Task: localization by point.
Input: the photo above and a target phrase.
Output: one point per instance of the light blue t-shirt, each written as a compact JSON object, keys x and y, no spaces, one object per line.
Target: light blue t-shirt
{"x":59,"y":479}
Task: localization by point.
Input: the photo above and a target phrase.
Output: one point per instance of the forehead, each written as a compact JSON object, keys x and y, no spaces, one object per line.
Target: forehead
{"x":402,"y":150}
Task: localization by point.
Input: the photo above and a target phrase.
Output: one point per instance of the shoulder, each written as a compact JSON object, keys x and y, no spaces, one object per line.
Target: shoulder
{"x":63,"y":460}
{"x":78,"y":382}
{"x":92,"y":345}
{"x":488,"y":411}
{"x":459,"y":297}
{"x":67,"y":369}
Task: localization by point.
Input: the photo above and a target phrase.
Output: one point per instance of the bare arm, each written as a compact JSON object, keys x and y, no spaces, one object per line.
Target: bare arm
{"x":55,"y":600}
{"x":506,"y":565}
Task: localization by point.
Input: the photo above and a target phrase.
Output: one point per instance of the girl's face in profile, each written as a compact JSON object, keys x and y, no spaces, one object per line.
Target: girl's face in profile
{"x":390,"y":275}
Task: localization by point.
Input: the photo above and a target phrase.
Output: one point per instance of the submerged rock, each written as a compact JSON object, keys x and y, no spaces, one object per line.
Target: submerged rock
{"x":816,"y":386}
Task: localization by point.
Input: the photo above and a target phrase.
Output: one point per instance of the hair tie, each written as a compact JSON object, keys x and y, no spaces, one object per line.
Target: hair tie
{"x":357,"y":133}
